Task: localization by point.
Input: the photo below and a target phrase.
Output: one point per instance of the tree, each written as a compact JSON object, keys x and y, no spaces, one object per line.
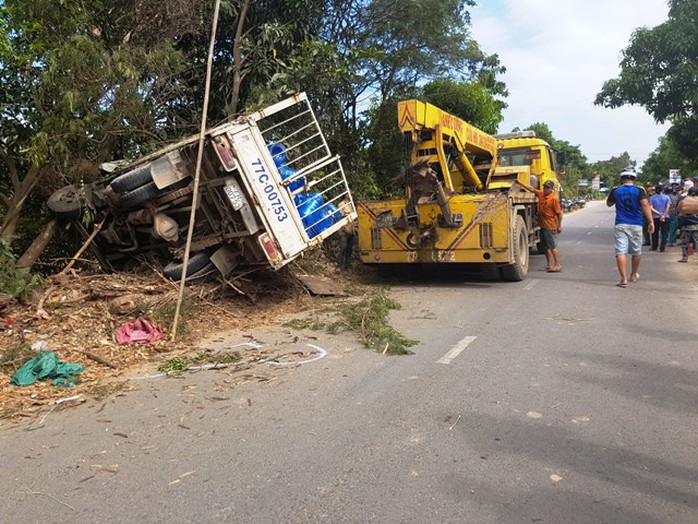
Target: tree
{"x":609,"y":170}
{"x":659,"y":71}
{"x":577,"y":166}
{"x":386,"y":49}
{"x":82,"y":86}
{"x":666,"y":157}
{"x":470,"y":101}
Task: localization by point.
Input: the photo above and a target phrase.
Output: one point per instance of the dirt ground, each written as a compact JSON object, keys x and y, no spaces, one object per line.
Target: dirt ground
{"x":78,"y":315}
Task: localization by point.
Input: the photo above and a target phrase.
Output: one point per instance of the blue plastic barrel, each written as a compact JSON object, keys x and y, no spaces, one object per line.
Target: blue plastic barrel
{"x":308,"y":211}
{"x":326,"y":216}
{"x":287,"y":172}
{"x":278,"y":153}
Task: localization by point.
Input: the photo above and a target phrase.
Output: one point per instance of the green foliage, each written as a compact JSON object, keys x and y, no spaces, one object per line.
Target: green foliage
{"x":15,"y":281}
{"x":666,"y":157}
{"x":369,"y":318}
{"x":470,"y":101}
{"x":387,"y":156}
{"x":183,"y":362}
{"x":659,"y":71}
{"x":175,"y":364}
{"x":609,"y":170}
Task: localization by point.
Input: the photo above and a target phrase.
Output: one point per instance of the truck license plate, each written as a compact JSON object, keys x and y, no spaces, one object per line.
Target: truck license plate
{"x":234,"y":196}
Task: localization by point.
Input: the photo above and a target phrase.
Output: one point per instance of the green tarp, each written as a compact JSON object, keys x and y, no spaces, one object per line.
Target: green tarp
{"x":46,"y":365}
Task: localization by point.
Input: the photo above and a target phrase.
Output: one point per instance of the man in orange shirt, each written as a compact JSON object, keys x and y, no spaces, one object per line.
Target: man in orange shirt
{"x":550,"y":220}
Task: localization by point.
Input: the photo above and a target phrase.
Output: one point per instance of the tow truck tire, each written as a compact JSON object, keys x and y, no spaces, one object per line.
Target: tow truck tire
{"x":131,"y":180}
{"x":517,"y":271}
{"x":197,"y":262}
{"x":140,"y":194}
{"x":65,"y":203}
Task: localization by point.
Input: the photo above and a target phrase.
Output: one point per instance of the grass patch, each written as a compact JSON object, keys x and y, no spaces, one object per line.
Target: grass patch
{"x":15,"y":356}
{"x":175,"y":364}
{"x":183,"y":363}
{"x":162,"y":313}
{"x":217,"y":358}
{"x":102,"y":391}
{"x":305,"y":323}
{"x":369,"y":319}
{"x":297,"y":323}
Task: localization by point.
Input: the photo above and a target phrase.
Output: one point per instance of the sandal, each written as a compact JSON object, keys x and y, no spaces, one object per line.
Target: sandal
{"x":622,"y":284}
{"x":635,"y":277}
{"x":555,"y":269}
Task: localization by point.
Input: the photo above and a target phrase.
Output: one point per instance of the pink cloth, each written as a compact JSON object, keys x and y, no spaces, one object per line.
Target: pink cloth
{"x":139,"y":332}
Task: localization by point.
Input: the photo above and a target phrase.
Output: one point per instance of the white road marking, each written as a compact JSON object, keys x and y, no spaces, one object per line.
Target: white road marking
{"x":530,"y":285}
{"x":455,"y":350}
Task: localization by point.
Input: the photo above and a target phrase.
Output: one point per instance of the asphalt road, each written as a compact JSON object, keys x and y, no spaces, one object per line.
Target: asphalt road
{"x":560,"y":399}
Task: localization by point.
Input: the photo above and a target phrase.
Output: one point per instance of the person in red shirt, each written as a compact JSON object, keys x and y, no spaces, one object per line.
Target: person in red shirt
{"x":550,"y":219}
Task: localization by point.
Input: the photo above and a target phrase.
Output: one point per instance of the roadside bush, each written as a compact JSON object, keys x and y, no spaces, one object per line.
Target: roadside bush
{"x":14,"y":281}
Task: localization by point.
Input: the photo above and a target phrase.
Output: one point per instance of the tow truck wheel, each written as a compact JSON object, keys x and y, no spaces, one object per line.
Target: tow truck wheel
{"x":517,"y":271}
{"x":65,"y":203}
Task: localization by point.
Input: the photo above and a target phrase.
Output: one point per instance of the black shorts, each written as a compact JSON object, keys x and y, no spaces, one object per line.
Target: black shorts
{"x":549,"y":238}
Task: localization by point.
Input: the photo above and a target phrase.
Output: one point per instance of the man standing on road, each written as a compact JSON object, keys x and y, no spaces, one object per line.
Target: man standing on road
{"x":550,"y":214}
{"x":688,"y":222}
{"x":347,"y":236}
{"x":631,"y":205}
{"x":660,"y":204}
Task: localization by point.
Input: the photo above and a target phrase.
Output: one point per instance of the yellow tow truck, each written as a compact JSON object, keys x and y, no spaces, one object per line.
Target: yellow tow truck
{"x":460,"y":202}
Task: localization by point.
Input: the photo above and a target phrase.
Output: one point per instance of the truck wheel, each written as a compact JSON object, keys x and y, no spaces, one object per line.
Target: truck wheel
{"x":517,"y":271}
{"x":65,"y":203}
{"x":197,"y":262}
{"x":131,"y":180}
{"x":140,"y":195}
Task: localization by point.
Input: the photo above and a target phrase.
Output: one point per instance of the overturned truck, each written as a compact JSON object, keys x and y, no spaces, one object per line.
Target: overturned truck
{"x":269,"y":189}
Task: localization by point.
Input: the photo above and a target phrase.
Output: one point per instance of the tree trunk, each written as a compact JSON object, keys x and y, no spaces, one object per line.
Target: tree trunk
{"x":237,"y":57}
{"x":21,"y":189}
{"x":37,"y":247}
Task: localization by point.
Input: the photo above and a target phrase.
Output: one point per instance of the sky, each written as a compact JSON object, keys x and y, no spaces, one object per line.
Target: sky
{"x":558,"y":53}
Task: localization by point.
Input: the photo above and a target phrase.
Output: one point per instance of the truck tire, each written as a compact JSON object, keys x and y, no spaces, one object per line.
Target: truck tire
{"x":197,"y":262}
{"x":131,"y":180}
{"x":65,"y":203}
{"x":140,"y":194}
{"x":517,"y":271}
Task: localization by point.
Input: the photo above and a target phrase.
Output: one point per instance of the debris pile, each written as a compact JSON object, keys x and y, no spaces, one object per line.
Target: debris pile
{"x":82,"y":318}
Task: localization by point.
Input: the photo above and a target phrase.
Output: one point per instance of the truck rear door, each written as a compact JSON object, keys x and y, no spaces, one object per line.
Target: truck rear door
{"x":298,"y":186}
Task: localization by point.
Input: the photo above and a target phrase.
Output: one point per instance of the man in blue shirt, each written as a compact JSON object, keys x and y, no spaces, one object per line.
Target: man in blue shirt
{"x":631,"y":204}
{"x":660,"y":204}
